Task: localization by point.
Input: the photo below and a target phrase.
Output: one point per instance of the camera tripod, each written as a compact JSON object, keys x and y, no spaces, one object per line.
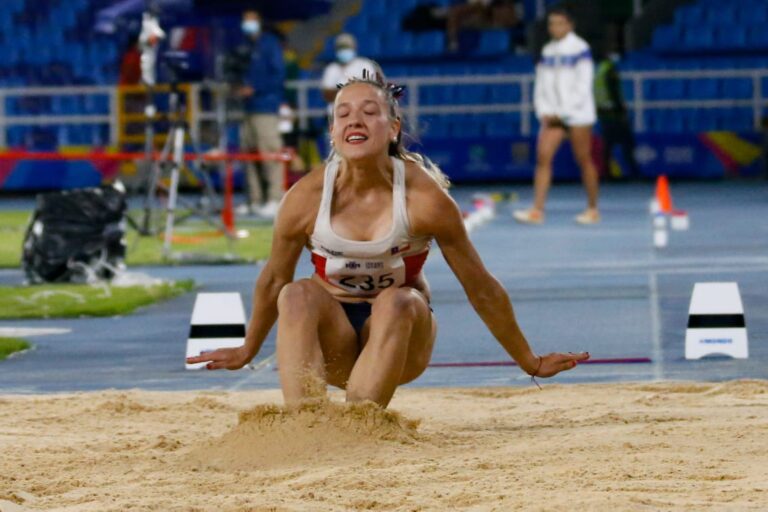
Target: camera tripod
{"x":172,"y":162}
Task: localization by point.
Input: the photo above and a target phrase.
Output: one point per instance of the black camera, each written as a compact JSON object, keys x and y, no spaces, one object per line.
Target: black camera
{"x":175,"y":65}
{"x":235,"y":64}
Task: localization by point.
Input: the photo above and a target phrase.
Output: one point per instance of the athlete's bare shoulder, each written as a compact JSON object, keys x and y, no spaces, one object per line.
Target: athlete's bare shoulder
{"x":300,"y":204}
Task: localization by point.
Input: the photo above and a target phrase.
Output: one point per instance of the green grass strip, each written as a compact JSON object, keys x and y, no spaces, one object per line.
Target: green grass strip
{"x":10,"y":345}
{"x":194,"y":236}
{"x":69,"y":300}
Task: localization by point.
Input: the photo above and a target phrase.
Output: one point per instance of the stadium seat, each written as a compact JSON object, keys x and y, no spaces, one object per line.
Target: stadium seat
{"x":730,"y":37}
{"x":703,"y":88}
{"x":429,"y":43}
{"x":666,"y":37}
{"x":720,"y":14}
{"x":689,"y":15}
{"x":434,"y":126}
{"x":470,"y":94}
{"x":698,"y":38}
{"x":738,"y":88}
{"x":758,"y":37}
{"x":753,"y":13}
{"x":505,"y":93}
{"x":493,"y":42}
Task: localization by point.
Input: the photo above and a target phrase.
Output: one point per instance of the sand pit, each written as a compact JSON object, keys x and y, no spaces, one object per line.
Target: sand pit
{"x":654,"y":446}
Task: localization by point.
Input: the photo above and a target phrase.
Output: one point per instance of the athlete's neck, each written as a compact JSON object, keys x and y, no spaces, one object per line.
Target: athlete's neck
{"x":365,"y":174}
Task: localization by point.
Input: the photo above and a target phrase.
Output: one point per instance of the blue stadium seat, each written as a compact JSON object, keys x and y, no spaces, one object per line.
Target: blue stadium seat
{"x":703,"y":88}
{"x":493,"y":42}
{"x":669,"y":89}
{"x":466,"y":126}
{"x":370,"y":46}
{"x":738,"y":119}
{"x":753,"y":13}
{"x":738,"y":88}
{"x":504,"y":93}
{"x":471,"y":94}
{"x":758,"y":37}
{"x":17,"y":136}
{"x":429,"y":43}
{"x":720,"y":15}
{"x":382,"y":23}
{"x":666,"y":37}
{"x":730,"y":37}
{"x":689,"y":15}
{"x":375,"y":7}
{"x":435,"y":126}
{"x":627,"y":90}
{"x":698,"y":38}
{"x":357,"y":25}
{"x":398,"y":45}
{"x":502,"y":125}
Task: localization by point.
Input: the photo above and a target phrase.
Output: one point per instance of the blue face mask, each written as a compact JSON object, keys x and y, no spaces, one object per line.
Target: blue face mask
{"x":345,"y":55}
{"x":251,"y":27}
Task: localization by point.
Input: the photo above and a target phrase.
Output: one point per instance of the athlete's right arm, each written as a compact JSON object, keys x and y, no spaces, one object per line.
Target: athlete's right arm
{"x":288,"y":240}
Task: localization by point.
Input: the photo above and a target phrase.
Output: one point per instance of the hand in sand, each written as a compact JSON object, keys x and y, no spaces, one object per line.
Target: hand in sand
{"x":223,"y":358}
{"x":554,"y":363}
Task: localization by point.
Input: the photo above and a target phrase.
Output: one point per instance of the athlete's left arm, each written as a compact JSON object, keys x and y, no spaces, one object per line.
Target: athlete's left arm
{"x":439,"y":215}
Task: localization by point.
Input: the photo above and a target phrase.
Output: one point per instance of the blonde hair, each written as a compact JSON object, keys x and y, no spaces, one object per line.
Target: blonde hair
{"x":396,"y":148}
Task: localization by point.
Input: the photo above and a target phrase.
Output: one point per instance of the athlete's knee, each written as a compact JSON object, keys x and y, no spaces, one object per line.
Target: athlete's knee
{"x":401,"y":303}
{"x":298,"y":296}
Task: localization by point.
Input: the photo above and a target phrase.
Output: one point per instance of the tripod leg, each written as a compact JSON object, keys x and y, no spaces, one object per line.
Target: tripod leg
{"x":178,"y":161}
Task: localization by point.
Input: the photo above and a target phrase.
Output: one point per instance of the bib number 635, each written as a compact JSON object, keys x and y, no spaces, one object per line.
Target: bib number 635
{"x":367,"y":283}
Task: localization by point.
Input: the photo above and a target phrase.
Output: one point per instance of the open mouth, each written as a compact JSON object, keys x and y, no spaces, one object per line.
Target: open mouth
{"x":356,"y":138}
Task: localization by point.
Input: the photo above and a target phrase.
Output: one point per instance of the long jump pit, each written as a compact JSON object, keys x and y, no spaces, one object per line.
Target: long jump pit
{"x":630,"y":446}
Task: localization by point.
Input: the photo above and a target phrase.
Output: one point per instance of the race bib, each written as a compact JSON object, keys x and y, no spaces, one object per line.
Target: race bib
{"x":365,"y":277}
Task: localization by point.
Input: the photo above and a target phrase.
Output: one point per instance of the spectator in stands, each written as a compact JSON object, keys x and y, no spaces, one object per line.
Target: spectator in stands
{"x":612,"y":114}
{"x":130,"y":64}
{"x":565,"y":106}
{"x":479,"y":14}
{"x":347,"y":65}
{"x":262,"y":94}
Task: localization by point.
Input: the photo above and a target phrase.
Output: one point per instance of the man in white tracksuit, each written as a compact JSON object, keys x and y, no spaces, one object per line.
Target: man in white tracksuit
{"x":565,"y":106}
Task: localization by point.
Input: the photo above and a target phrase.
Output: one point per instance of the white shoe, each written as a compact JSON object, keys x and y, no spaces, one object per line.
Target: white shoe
{"x":244,"y":209}
{"x":588,"y":216}
{"x":268,"y":211}
{"x":530,"y":216}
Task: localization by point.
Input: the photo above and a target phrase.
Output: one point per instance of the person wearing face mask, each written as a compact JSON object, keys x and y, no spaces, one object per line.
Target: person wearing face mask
{"x":347,"y":65}
{"x":363,"y":321}
{"x":565,"y":106}
{"x":262,"y":94}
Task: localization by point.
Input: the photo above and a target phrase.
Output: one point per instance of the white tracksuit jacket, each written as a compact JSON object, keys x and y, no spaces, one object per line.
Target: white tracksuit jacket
{"x":564,"y":78}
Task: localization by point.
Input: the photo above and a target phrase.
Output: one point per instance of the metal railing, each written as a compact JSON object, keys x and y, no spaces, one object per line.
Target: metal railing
{"x":413,"y":106}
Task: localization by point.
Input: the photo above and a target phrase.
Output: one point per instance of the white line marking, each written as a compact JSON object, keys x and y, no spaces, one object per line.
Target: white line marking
{"x":656,"y":352}
{"x":10,"y":332}
{"x":255,"y":368}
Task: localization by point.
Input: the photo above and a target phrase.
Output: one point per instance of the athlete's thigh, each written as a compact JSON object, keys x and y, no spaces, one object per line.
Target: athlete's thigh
{"x":337,"y":337}
{"x":549,"y":139}
{"x":422,"y":338}
{"x":581,"y":142}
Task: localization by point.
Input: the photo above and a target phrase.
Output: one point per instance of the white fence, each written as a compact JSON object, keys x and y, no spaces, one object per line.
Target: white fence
{"x":414,"y":105}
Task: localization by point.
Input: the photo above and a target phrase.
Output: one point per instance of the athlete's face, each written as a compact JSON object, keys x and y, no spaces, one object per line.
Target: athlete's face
{"x":362,"y":123}
{"x":558,"y":26}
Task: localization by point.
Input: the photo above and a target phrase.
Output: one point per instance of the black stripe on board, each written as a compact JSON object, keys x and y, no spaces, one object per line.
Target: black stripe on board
{"x":217,"y":331}
{"x":715,"y":321}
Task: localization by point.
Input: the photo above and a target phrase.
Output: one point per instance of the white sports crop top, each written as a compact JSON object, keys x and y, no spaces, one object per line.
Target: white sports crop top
{"x":365,"y":268}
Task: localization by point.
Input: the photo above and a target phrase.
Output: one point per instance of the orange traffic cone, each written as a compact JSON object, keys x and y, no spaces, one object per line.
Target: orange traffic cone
{"x":227,"y":212}
{"x":663,"y":195}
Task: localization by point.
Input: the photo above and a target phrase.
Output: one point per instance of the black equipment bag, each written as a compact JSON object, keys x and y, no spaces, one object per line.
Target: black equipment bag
{"x":74,"y":234}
